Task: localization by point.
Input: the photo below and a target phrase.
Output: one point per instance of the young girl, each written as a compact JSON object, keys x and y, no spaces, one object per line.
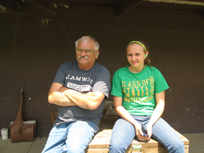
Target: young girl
{"x":139,"y":99}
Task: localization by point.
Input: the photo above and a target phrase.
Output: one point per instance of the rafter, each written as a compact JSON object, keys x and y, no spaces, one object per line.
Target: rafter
{"x":126,"y":5}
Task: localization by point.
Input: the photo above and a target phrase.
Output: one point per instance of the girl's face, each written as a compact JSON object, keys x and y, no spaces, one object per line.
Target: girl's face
{"x":136,"y":56}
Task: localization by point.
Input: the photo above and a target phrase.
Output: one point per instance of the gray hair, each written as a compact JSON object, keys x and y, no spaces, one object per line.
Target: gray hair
{"x":85,"y":39}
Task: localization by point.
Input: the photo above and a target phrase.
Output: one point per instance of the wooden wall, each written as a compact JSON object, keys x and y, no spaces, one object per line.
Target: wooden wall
{"x":33,"y":45}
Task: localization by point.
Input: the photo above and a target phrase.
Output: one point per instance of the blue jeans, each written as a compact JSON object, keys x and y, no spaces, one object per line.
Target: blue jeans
{"x":71,"y":137}
{"x":124,"y":133}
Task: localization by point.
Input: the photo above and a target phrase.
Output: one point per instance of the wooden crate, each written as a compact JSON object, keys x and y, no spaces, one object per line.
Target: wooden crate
{"x":101,"y":141}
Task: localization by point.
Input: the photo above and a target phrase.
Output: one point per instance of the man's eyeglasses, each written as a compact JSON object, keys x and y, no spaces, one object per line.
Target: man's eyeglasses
{"x":87,"y":51}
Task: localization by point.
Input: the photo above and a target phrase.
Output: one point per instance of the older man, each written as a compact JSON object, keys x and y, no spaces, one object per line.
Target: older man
{"x":79,"y":89}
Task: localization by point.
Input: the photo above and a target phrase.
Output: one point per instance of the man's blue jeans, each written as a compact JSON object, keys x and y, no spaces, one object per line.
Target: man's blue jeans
{"x":71,"y":137}
{"x":124,"y":133}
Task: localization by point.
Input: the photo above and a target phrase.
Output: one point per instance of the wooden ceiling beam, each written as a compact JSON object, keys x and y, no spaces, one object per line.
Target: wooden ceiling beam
{"x":172,"y":6}
{"x":97,"y":2}
{"x":193,"y":0}
{"x":126,"y":5}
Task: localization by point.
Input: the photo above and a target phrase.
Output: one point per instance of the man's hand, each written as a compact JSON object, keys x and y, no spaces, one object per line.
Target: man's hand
{"x":56,"y":97}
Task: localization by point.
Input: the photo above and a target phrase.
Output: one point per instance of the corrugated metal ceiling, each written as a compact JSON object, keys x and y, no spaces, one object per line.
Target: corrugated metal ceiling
{"x":185,"y":2}
{"x":116,"y":2}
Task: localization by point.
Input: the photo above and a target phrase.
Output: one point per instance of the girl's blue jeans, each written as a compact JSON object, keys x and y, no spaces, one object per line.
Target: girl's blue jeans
{"x":124,"y":133}
{"x":71,"y":137}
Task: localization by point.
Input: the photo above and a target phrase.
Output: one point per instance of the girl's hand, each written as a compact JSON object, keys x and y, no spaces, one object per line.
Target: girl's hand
{"x":140,"y":134}
{"x":149,"y":130}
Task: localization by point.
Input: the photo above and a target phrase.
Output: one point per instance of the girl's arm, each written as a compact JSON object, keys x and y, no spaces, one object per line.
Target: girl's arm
{"x":122,"y":112}
{"x":160,"y":100}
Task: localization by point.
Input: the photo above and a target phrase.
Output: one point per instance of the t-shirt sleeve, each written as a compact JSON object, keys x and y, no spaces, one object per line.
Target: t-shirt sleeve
{"x":116,"y":85}
{"x":60,"y":76}
{"x":102,"y":82}
{"x":160,"y":82}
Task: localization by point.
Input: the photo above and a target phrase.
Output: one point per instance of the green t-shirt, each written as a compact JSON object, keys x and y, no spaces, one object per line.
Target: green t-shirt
{"x":138,"y":89}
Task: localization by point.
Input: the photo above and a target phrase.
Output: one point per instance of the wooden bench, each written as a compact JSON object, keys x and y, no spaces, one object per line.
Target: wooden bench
{"x":101,"y":141}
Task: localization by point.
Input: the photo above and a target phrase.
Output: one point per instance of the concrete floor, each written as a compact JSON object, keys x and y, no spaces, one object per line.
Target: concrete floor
{"x":196,"y":144}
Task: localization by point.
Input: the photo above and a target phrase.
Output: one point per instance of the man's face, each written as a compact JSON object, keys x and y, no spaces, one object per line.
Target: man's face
{"x":86,"y":54}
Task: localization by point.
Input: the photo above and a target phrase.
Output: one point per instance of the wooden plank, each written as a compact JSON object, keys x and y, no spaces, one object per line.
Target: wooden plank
{"x":97,"y":151}
{"x":101,"y":141}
